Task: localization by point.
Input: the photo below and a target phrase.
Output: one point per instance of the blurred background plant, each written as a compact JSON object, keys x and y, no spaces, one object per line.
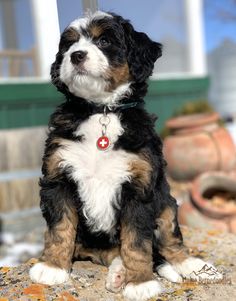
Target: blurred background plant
{"x":189,"y":108}
{"x":200,"y":106}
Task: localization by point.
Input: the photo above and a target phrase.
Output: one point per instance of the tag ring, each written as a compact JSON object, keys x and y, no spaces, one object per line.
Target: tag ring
{"x":104,"y":120}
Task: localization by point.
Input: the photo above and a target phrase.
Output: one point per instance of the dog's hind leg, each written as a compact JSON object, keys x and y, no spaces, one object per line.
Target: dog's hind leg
{"x":98,"y":256}
{"x":179,"y":264}
{"x":110,"y":258}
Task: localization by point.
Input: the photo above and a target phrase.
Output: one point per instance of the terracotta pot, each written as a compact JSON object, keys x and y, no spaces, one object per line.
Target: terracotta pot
{"x":202,"y":211}
{"x":198,"y":144}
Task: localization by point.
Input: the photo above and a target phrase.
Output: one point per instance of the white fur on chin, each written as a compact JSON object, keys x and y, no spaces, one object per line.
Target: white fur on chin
{"x":91,"y":85}
{"x":42,"y":273}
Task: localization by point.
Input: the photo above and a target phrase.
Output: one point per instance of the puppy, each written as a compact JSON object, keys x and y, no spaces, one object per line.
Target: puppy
{"x":104,"y":193}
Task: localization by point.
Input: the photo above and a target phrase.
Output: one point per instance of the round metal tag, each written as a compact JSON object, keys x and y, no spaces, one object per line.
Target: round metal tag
{"x":103,"y":143}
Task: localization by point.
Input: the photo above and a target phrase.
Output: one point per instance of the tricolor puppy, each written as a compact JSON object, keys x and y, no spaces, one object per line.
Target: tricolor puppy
{"x":104,"y":193}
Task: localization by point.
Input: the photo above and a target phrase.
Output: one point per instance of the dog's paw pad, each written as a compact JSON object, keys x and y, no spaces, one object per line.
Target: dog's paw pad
{"x":45,"y":274}
{"x":116,"y":276}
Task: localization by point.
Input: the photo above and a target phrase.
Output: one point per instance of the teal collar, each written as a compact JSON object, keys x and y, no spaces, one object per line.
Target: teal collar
{"x":124,"y":106}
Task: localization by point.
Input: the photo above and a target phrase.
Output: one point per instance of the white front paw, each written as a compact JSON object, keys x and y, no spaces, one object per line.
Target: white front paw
{"x":197,"y":269}
{"x":45,"y":274}
{"x":168,"y":272}
{"x":142,"y":291}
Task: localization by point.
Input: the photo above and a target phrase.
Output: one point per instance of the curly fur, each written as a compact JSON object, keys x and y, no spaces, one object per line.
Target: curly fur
{"x":118,"y":199}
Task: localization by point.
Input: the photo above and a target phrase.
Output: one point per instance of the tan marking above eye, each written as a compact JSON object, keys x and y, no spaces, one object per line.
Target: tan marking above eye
{"x":96,"y":31}
{"x":72,"y":34}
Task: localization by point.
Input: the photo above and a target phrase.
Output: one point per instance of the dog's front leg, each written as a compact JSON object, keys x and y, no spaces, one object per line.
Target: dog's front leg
{"x":136,"y":251}
{"x":62,"y":220}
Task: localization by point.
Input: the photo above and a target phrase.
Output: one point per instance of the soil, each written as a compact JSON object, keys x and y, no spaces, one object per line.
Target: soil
{"x":223,"y":200}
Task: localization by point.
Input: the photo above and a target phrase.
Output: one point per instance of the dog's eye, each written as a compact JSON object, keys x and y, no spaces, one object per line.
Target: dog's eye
{"x":103,"y":42}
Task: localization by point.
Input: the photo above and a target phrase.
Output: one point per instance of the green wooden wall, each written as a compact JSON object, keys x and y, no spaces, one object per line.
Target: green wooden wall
{"x":27,"y":104}
{"x":30,"y":104}
{"x":165,"y":97}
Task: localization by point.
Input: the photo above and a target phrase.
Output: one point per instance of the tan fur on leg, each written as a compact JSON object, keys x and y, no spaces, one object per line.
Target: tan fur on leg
{"x":137,"y":261}
{"x":59,"y":248}
{"x":171,"y":246}
{"x":60,"y":241}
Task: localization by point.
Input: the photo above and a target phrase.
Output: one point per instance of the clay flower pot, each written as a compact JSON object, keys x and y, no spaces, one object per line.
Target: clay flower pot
{"x":213,"y":202}
{"x":198,"y":144}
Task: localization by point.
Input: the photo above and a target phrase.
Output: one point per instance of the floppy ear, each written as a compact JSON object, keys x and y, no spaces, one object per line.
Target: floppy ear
{"x":55,"y":74}
{"x":68,"y":37}
{"x":142,"y":52}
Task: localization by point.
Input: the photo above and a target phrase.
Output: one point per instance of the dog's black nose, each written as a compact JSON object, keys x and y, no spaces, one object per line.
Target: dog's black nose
{"x":78,"y":56}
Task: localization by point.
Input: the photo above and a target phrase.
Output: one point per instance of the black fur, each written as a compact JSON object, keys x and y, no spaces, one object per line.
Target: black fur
{"x":138,"y":208}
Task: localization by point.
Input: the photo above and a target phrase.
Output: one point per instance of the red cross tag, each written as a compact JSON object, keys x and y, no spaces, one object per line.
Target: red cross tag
{"x":103,"y":143}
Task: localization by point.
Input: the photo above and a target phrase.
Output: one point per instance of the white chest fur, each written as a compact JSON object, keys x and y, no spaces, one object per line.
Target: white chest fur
{"x":99,"y":174}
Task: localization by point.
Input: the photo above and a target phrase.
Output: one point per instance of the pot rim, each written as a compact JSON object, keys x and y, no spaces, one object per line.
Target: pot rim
{"x":197,"y":190}
{"x":193,"y":120}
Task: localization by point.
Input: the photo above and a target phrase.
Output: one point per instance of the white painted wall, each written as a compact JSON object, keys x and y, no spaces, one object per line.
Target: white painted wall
{"x":47,"y":33}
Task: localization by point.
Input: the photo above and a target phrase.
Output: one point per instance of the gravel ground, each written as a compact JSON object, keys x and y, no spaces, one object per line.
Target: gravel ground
{"x":87,"y":279}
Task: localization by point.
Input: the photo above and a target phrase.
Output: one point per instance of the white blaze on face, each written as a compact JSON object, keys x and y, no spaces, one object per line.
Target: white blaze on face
{"x":95,"y":63}
{"x":83,"y":22}
{"x":79,"y":23}
{"x":94,"y":68}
